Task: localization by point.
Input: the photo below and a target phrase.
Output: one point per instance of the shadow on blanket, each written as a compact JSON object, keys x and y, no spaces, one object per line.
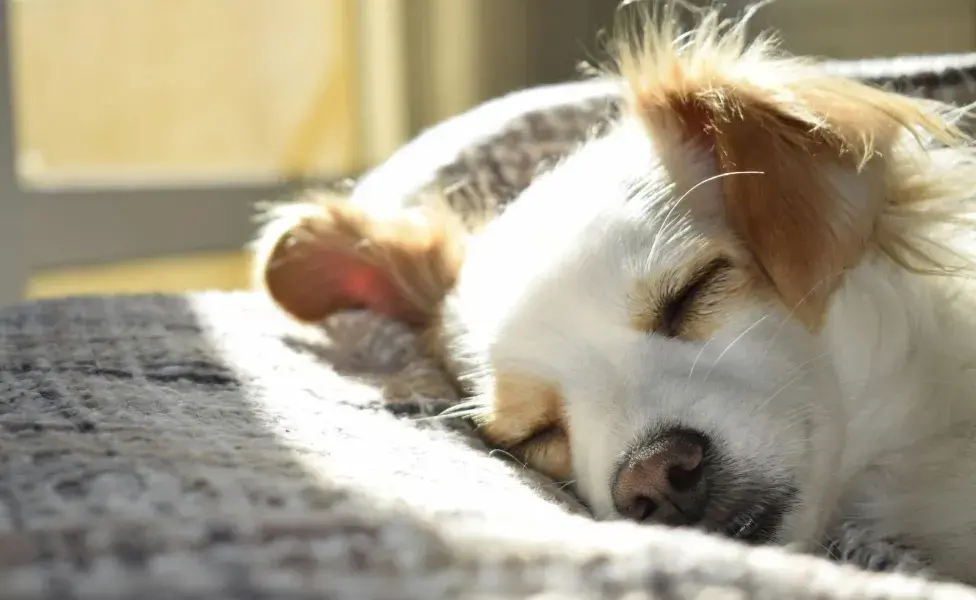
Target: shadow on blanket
{"x":203,"y":447}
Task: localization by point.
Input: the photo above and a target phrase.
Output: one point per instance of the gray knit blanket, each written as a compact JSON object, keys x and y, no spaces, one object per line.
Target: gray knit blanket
{"x":205,"y":447}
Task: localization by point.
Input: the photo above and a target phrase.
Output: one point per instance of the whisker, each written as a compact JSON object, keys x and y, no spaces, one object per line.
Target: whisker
{"x":445,"y":417}
{"x":698,"y":357}
{"x":783,"y":388}
{"x":494,"y":451}
{"x":681,"y":198}
{"x":793,"y":311}
{"x":464,"y":408}
{"x":803,"y":367}
{"x":732,"y":343}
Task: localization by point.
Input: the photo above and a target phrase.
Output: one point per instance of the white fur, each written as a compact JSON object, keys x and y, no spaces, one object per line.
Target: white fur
{"x":872,"y":418}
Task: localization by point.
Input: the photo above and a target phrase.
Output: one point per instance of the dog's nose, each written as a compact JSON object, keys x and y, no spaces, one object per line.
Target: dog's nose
{"x":663,"y":480}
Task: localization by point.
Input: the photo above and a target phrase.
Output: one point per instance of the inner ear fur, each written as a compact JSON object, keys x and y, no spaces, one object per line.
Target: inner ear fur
{"x":324,"y":254}
{"x":818,"y":148}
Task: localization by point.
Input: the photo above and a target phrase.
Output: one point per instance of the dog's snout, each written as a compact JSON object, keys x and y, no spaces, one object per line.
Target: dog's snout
{"x":664,"y":480}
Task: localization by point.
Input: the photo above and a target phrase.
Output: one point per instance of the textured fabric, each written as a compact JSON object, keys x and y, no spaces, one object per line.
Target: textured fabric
{"x":203,"y":447}
{"x":482,"y":159}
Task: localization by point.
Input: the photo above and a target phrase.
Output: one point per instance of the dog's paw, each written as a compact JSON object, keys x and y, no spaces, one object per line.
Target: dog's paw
{"x":854,"y":544}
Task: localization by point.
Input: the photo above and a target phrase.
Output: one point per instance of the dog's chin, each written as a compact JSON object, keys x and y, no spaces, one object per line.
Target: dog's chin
{"x":758,"y":523}
{"x":754,"y":513}
{"x":757,"y":514}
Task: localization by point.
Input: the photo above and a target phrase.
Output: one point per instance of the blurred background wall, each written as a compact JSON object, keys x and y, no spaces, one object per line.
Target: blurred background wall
{"x":144,"y":130}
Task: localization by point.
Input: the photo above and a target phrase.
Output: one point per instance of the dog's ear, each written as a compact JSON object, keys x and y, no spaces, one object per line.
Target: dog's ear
{"x":802,"y":203}
{"x":319,"y":257}
{"x":802,"y":156}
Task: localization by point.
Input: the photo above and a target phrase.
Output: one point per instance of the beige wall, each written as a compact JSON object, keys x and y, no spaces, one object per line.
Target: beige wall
{"x":867,"y":28}
{"x":184,"y":89}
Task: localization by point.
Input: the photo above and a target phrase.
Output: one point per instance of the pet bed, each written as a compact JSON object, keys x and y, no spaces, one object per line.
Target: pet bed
{"x":202,"y":446}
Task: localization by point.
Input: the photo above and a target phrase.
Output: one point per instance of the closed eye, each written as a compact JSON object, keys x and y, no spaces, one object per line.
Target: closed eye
{"x":682,"y":304}
{"x":543,"y":435}
{"x":547,"y":450}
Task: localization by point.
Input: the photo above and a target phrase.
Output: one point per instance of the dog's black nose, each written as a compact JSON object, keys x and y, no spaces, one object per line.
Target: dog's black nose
{"x":663,"y":480}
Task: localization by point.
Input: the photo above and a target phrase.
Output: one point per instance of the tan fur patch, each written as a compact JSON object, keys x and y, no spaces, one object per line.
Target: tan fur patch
{"x":801,"y":232}
{"x":803,"y":235}
{"x":799,"y":128}
{"x":527,"y":417}
{"x":324,"y":256}
{"x":720,"y":285}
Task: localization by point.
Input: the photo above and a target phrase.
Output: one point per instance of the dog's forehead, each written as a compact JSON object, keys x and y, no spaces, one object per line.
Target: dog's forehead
{"x":561,"y":264}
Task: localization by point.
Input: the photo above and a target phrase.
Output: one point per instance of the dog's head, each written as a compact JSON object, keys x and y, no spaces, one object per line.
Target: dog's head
{"x":647,"y":319}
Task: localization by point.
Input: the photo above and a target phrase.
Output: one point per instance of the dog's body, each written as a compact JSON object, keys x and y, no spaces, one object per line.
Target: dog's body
{"x":903,"y":353}
{"x":731,"y":309}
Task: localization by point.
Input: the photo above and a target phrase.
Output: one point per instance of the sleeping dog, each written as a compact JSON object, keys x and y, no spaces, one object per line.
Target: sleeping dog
{"x":741,"y":307}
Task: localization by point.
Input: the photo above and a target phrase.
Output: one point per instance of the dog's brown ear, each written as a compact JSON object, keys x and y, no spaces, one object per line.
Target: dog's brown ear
{"x":318,"y":258}
{"x":809,"y":212}
{"x":803,"y":157}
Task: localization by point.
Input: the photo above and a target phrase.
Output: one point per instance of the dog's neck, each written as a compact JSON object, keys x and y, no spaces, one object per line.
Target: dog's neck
{"x":898,"y":343}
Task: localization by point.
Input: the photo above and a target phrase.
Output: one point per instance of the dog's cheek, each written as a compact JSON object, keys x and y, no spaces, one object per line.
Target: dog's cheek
{"x":526,"y":416}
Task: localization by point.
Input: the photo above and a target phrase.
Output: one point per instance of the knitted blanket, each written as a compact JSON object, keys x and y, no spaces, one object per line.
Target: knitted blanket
{"x":204,"y":447}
